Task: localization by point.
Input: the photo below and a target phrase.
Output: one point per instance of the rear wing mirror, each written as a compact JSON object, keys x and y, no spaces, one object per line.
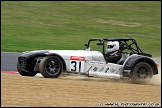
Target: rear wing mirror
{"x":100,"y":43}
{"x":85,"y":44}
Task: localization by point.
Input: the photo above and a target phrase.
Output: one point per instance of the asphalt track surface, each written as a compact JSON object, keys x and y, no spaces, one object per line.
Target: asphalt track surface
{"x":9,"y":61}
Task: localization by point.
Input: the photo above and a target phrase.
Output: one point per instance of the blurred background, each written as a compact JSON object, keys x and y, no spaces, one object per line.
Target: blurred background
{"x":68,"y":25}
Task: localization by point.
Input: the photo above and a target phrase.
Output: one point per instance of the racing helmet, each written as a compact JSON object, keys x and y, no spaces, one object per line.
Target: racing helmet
{"x":112,"y":46}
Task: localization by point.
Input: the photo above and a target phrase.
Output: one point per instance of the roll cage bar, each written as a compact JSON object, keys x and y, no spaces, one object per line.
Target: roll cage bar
{"x":122,"y":41}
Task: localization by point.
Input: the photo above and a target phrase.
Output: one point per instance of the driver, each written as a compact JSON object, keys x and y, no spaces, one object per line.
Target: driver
{"x":113,"y":54}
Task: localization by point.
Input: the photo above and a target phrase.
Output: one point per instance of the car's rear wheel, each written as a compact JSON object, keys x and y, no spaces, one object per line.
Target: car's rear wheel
{"x":25,"y":73}
{"x":51,"y":67}
{"x":142,"y":72}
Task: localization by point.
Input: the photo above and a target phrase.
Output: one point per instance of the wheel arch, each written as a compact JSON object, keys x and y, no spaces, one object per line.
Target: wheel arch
{"x":133,"y":61}
{"x":62,"y":60}
{"x":32,"y":59}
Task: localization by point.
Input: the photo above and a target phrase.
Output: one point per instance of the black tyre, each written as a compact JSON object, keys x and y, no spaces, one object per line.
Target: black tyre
{"x":25,"y":73}
{"x":142,"y":73}
{"x":51,"y":67}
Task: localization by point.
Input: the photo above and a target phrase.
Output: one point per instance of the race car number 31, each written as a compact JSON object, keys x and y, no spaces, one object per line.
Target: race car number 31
{"x":77,"y":63}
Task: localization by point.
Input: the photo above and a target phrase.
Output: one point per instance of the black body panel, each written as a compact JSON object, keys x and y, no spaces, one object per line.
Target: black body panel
{"x":27,"y":60}
{"x":132,"y":62}
{"x":30,"y":55}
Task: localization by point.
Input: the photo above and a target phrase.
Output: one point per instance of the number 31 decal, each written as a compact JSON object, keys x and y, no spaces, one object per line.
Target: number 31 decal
{"x":76,"y":66}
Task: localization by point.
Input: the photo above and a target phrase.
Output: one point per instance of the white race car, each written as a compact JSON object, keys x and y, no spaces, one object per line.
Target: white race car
{"x":95,"y":60}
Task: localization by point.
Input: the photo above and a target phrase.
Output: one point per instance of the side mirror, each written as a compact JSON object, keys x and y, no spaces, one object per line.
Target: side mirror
{"x":100,"y":43}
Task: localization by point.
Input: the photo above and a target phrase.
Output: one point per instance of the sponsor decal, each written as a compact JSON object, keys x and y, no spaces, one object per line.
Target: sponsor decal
{"x":77,"y":58}
{"x":95,"y":69}
{"x":97,"y":62}
{"x":112,"y":70}
{"x":89,"y":69}
{"x":101,"y":69}
{"x":106,"y":70}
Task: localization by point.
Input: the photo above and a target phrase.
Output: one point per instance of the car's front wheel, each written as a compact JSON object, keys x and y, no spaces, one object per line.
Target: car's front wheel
{"x":51,"y":67}
{"x":25,"y":73}
{"x":142,"y":72}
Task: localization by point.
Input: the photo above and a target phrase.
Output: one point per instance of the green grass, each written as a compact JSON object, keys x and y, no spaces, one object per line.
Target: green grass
{"x":34,"y":25}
